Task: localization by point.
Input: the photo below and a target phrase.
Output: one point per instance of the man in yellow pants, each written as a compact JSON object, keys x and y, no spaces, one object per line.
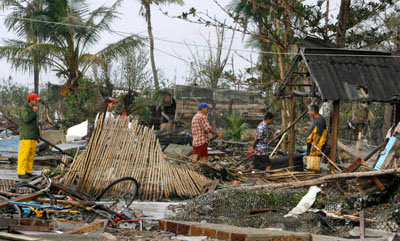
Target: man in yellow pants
{"x":316,"y":132}
{"x":29,"y":136}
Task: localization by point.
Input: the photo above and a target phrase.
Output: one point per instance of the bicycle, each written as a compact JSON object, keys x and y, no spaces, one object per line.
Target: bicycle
{"x":104,"y":204}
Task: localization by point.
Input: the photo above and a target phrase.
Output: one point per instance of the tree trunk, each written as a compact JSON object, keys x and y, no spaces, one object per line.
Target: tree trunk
{"x":151,"y":41}
{"x":282,"y":75}
{"x":343,"y":18}
{"x":36,"y":73}
{"x":326,"y":38}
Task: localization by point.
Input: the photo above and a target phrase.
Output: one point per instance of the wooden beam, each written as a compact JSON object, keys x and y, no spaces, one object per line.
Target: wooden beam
{"x":334,"y":133}
{"x":317,"y":181}
{"x":289,"y":73}
{"x":292,"y":135}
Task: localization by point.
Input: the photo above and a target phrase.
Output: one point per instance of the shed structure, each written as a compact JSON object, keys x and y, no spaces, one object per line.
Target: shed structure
{"x":342,"y":75}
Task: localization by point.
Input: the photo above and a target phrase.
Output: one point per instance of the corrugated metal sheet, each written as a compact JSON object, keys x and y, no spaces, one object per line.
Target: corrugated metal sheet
{"x":342,"y":74}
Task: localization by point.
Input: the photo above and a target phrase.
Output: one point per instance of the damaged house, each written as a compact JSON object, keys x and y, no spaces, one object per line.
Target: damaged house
{"x":181,"y":102}
{"x":335,"y":75}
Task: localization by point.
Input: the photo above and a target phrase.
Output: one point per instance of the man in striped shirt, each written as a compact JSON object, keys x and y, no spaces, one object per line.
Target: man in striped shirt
{"x":200,"y":129}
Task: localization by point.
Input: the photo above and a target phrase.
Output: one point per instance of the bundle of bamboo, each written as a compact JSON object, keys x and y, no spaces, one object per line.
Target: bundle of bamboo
{"x":121,"y":148}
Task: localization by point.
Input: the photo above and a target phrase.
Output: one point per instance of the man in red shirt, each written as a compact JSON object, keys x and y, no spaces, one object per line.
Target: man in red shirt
{"x":200,"y":129}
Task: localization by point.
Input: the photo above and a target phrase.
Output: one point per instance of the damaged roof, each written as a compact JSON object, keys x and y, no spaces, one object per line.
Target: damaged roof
{"x":354,"y":75}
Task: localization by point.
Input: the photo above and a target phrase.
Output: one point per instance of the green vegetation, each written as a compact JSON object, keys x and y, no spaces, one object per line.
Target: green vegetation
{"x":235,"y":127}
{"x":81,"y":104}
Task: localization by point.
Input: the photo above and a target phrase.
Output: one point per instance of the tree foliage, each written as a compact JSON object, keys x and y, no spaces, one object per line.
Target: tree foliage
{"x":67,"y":30}
{"x":12,"y":95}
{"x":235,"y":127}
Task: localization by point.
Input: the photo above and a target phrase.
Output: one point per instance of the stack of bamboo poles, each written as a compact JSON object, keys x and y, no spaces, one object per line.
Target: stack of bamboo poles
{"x":121,"y":148}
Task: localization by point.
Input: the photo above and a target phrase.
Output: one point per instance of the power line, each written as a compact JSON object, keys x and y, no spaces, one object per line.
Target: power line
{"x":159,"y":50}
{"x":196,"y":45}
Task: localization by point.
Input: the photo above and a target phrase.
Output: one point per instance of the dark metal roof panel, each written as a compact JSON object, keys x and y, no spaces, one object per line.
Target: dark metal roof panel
{"x":348,"y":75}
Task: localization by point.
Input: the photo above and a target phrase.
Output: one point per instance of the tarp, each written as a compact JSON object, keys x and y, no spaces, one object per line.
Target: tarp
{"x":77,"y":132}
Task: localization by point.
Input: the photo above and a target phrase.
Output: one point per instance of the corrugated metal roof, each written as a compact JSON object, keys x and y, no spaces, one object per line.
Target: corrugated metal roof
{"x":354,"y":75}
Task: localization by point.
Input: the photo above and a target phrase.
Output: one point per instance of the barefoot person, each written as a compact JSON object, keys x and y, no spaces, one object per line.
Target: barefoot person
{"x":29,"y":136}
{"x":200,"y":129}
{"x":260,"y":144}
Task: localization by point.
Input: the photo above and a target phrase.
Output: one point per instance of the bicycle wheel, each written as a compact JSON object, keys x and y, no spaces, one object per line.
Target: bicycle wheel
{"x":120,"y":193}
{"x":10,"y":211}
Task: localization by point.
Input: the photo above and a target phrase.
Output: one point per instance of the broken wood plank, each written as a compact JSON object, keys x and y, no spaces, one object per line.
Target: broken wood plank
{"x":317,"y":181}
{"x":90,"y":227}
{"x":31,"y":228}
{"x":354,"y":166}
{"x":22,"y":198}
{"x":378,"y":183}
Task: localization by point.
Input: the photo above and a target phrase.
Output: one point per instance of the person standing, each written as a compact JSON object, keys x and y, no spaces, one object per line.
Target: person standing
{"x":29,"y":136}
{"x":200,"y":129}
{"x":107,"y":107}
{"x":317,"y":132}
{"x":260,"y":144}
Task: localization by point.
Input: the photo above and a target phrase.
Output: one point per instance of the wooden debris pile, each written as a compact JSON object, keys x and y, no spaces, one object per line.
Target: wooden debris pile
{"x":121,"y":148}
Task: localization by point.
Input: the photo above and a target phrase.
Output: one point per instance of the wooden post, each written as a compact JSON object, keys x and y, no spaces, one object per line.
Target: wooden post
{"x":292,"y":139}
{"x":334,"y":133}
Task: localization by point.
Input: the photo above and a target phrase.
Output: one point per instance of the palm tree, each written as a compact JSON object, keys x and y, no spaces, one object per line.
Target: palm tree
{"x":27,"y":30}
{"x":146,"y":7}
{"x":71,"y":28}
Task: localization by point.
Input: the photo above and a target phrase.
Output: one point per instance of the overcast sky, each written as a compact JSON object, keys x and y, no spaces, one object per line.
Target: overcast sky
{"x":163,"y":27}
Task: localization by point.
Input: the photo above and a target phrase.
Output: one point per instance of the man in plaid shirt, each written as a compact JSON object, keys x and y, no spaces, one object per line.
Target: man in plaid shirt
{"x":200,"y":129}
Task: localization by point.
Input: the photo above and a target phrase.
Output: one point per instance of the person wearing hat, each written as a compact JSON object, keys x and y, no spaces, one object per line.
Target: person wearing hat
{"x":107,"y":107}
{"x":29,"y":136}
{"x":200,"y":129}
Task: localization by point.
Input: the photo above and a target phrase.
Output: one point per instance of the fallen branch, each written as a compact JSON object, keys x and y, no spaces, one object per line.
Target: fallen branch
{"x":317,"y":181}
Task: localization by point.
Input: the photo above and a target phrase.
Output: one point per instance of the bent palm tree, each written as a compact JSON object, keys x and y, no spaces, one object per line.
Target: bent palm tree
{"x":146,"y":6}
